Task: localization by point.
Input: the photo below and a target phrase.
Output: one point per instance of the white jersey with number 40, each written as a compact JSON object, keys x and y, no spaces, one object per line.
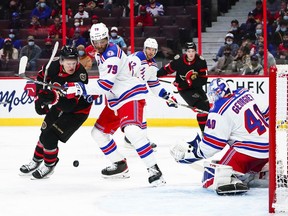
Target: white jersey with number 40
{"x":238,"y":122}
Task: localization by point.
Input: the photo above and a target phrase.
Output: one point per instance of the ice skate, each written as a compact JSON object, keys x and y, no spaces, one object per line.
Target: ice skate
{"x":128,"y":144}
{"x":44,"y":171}
{"x":155,"y":179}
{"x":27,"y":169}
{"x":117,"y":170}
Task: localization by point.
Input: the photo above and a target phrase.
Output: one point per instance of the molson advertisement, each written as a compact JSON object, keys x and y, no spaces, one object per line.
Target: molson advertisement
{"x":19,"y":107}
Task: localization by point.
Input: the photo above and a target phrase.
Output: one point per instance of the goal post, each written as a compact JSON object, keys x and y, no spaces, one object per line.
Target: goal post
{"x":278,"y":139}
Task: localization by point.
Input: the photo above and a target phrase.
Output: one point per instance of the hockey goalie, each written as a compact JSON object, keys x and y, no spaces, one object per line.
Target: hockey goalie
{"x":235,"y":120}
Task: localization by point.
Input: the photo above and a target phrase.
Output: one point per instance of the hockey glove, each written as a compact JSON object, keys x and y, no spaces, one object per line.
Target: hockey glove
{"x":74,"y":89}
{"x":46,"y":96}
{"x":190,"y":76}
{"x":188,"y":152}
{"x":39,"y":108}
{"x":170,"y":100}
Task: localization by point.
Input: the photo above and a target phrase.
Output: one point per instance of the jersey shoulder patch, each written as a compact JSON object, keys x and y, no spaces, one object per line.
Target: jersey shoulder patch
{"x":176,"y":57}
{"x":201,"y":57}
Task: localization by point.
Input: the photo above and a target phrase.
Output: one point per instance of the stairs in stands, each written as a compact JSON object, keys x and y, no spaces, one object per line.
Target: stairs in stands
{"x":214,"y":36}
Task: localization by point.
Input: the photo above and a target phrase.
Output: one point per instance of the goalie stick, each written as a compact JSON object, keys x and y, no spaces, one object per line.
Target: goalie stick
{"x":55,"y":49}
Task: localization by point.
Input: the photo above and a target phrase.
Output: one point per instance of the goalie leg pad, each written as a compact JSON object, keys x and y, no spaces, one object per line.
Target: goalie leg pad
{"x":220,"y":178}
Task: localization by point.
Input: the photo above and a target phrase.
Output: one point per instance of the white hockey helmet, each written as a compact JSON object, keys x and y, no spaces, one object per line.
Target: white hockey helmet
{"x":98,"y":31}
{"x":151,"y":43}
{"x":218,"y":88}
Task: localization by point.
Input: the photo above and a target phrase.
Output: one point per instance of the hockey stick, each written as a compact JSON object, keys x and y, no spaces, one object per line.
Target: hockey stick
{"x":55,"y":49}
{"x":193,"y":108}
{"x":22,"y":75}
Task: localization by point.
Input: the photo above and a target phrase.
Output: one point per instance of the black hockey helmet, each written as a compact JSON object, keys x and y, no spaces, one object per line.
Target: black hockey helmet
{"x":68,"y":52}
{"x":190,"y":45}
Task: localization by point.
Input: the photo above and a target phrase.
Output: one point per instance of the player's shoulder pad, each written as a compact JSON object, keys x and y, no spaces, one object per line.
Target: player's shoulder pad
{"x":140,"y":55}
{"x":201,"y":57}
{"x":176,"y":57}
{"x":112,"y":51}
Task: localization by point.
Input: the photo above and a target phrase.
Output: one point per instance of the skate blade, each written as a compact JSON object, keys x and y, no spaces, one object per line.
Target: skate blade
{"x":158,"y":183}
{"x":25,"y":174}
{"x":123,"y":175}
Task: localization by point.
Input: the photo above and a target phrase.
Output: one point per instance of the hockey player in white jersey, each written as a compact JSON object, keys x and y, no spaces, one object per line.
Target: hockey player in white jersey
{"x":125,"y":95}
{"x":234,"y":120}
{"x":144,"y":66}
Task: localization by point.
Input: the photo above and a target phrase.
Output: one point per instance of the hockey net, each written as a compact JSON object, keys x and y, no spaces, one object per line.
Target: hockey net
{"x":278,"y":139}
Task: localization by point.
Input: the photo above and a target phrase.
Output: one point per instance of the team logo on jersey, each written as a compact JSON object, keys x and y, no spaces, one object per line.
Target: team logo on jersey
{"x":183,"y":77}
{"x":110,"y":53}
{"x":83,"y":77}
{"x":44,"y":125}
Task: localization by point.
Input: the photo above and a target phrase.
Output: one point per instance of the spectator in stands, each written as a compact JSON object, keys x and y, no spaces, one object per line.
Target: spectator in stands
{"x":16,"y":22}
{"x":32,"y":51}
{"x":256,"y":67}
{"x":1,"y":40}
{"x":258,"y":12}
{"x":242,"y":61}
{"x":236,"y":31}
{"x":94,"y":4}
{"x":86,"y":33}
{"x":126,"y":11}
{"x":34,"y":24}
{"x":84,"y":59}
{"x":117,"y":39}
{"x":224,"y":63}
{"x":260,"y":40}
{"x":250,"y":26}
{"x":278,"y":35}
{"x":282,"y":50}
{"x":47,"y":51}
{"x":270,"y":57}
{"x":91,"y":51}
{"x":13,"y":35}
{"x":81,"y":14}
{"x":55,"y":30}
{"x":7,"y":53}
{"x":77,"y":39}
{"x":144,"y":19}
{"x":42,"y":11}
{"x":13,"y":6}
{"x":279,"y":14}
{"x":155,"y":8}
{"x":57,"y":10}
{"x":229,"y":40}
{"x":77,"y":25}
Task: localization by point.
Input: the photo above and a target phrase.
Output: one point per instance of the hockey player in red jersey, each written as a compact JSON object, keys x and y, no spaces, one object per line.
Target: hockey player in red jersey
{"x":236,"y":120}
{"x":63,"y":117}
{"x":191,"y":76}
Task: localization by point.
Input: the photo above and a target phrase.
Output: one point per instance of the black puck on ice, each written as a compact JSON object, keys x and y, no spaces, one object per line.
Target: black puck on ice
{"x":76,"y":163}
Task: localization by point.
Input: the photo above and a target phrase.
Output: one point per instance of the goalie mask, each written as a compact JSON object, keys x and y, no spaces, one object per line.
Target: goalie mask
{"x":218,"y":88}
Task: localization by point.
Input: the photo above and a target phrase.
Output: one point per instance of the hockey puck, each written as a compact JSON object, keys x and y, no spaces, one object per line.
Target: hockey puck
{"x":76,"y":163}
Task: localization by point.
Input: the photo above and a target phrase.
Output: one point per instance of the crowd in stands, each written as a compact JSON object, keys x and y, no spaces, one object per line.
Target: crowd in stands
{"x":243,"y":51}
{"x":31,"y":28}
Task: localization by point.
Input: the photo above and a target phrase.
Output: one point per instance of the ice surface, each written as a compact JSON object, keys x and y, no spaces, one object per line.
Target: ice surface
{"x":81,"y":191}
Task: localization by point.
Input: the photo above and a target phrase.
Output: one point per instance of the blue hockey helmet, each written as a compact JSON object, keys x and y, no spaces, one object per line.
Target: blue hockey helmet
{"x":218,"y":88}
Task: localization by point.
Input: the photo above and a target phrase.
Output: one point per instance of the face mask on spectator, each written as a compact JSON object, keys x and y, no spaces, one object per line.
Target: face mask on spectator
{"x":11,"y":36}
{"x":76,"y":24}
{"x":283,"y":29}
{"x":229,"y":42}
{"x":81,"y":52}
{"x":285,"y":17}
{"x":233,"y":28}
{"x":31,"y":43}
{"x":42,"y":4}
{"x":227,"y":53}
{"x":261,"y":53}
{"x":48,"y":46}
{"x":258,"y":31}
{"x":113,"y":34}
